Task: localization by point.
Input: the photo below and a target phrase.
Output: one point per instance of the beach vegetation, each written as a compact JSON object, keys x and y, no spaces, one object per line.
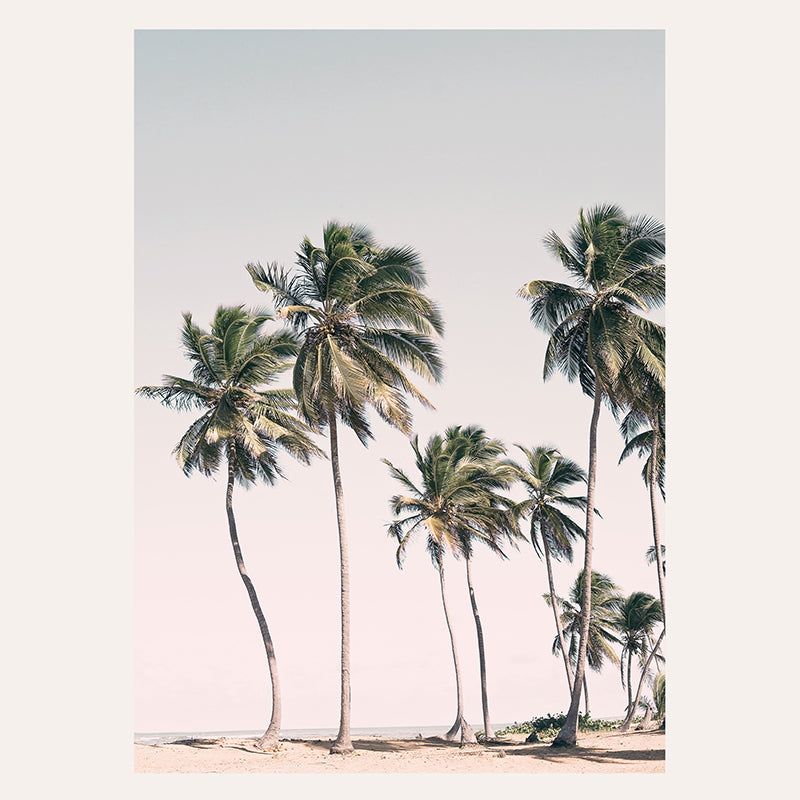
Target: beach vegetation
{"x":547,"y":726}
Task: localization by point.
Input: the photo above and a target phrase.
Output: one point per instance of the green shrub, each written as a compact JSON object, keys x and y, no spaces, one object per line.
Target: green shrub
{"x":548,"y":726}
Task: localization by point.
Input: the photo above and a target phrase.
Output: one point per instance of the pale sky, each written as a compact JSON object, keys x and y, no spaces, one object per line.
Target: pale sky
{"x":468,"y":146}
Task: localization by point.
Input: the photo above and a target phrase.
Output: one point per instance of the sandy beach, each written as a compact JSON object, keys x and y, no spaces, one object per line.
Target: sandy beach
{"x":608,"y":752}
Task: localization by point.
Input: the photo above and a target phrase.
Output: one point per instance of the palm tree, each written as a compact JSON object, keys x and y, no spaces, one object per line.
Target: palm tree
{"x":471,"y":443}
{"x":644,"y":430}
{"x":362,"y":317}
{"x":660,"y":695}
{"x":241,"y":424}
{"x":594,"y":331}
{"x":456,"y":504}
{"x":605,"y":602}
{"x":634,"y":620}
{"x":547,"y":476}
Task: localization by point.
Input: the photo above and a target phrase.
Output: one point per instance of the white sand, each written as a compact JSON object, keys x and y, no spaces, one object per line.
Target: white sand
{"x":635,"y":751}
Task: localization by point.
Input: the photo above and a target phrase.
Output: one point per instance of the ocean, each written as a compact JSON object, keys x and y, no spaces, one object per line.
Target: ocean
{"x":394,"y":732}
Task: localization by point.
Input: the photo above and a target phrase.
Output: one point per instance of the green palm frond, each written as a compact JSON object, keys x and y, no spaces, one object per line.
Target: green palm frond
{"x":594,"y":330}
{"x":362,"y":318}
{"x":231,"y":364}
{"x":458,"y":494}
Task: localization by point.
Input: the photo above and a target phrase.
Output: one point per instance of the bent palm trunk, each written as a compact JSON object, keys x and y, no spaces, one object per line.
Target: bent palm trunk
{"x":487,"y":725}
{"x":467,"y":734}
{"x":343,"y":744}
{"x":269,"y":741}
{"x":568,"y":735}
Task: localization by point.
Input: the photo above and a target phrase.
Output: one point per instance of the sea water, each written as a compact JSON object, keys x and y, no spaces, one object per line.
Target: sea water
{"x":395,"y":732}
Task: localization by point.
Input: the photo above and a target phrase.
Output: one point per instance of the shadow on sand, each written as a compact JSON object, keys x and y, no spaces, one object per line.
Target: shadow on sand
{"x":496,"y":747}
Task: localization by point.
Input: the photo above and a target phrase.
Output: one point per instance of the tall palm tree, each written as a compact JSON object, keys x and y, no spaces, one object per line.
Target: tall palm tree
{"x":547,"y":475}
{"x":605,"y":601}
{"x":362,"y":317}
{"x":242,"y":425}
{"x":494,"y":472}
{"x":634,"y":620}
{"x":594,"y":330}
{"x":456,"y":504}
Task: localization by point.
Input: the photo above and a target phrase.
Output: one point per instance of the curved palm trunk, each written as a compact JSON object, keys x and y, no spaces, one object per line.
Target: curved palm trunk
{"x":568,"y":735}
{"x":467,"y":734}
{"x":269,"y":741}
{"x":559,"y":629}
{"x":343,"y":744}
{"x":626,"y":723}
{"x":488,"y":732}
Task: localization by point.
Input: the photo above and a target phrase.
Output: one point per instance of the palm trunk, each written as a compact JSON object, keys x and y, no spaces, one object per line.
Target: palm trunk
{"x":467,"y":734}
{"x":630,"y":688}
{"x":626,"y":723}
{"x":487,"y":725}
{"x":568,"y":735}
{"x":657,"y":537}
{"x":559,"y":629}
{"x":343,"y":743}
{"x":586,"y":694}
{"x":269,"y":741}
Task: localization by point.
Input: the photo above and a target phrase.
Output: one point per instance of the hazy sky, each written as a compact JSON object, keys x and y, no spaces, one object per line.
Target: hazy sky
{"x":468,"y":146}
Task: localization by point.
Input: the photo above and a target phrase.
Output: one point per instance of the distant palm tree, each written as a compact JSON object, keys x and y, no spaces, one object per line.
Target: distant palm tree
{"x":602,"y":634}
{"x":362,"y":316}
{"x":634,"y":620}
{"x":594,"y":331}
{"x":456,"y":504}
{"x":547,"y":475}
{"x":241,"y":424}
{"x":660,"y":695}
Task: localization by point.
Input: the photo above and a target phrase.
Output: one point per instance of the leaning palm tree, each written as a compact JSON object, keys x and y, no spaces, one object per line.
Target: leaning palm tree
{"x":602,"y":635}
{"x":471,"y":444}
{"x":456,"y":504}
{"x":547,"y":476}
{"x":362,"y":317}
{"x":634,"y":620}
{"x":242,"y":425}
{"x":594,"y":330}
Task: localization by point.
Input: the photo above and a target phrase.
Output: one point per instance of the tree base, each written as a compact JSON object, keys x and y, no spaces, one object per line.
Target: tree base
{"x":341,"y":748}
{"x":268,"y":743}
{"x":563,"y":743}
